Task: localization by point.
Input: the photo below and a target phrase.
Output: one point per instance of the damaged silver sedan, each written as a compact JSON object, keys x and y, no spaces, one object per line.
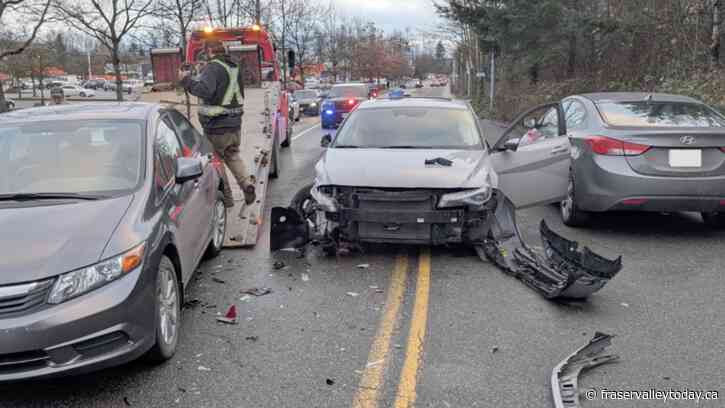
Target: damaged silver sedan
{"x":418,"y":171}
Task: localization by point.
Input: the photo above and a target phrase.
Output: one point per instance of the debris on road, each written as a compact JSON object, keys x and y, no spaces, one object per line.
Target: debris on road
{"x":217,"y":280}
{"x":257,"y":291}
{"x":305,"y":277}
{"x":202,"y":368}
{"x":230,"y":317}
{"x":279,"y":265}
{"x":363,"y":266}
{"x":353,"y":294}
{"x":126,"y":401}
{"x":565,"y":375}
{"x":624,"y":304}
{"x":330,"y":381}
{"x":494,"y":349}
{"x":252,"y":338}
{"x":559,"y":271}
{"x":191,"y":303}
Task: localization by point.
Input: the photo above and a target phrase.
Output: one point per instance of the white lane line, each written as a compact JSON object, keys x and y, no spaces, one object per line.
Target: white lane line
{"x":304,"y":132}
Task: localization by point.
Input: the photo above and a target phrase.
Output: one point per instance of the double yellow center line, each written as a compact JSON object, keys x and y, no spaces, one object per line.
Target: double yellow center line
{"x":372,"y":379}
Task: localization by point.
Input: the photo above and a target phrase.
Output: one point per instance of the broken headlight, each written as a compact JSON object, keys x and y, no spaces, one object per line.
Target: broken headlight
{"x":323,"y":196}
{"x":471,"y":198}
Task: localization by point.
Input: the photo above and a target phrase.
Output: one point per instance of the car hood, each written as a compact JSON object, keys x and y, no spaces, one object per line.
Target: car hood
{"x":405,"y":168}
{"x":38,"y":242}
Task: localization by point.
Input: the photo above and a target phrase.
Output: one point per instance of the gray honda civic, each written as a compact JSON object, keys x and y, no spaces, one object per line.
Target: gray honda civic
{"x":105,"y":212}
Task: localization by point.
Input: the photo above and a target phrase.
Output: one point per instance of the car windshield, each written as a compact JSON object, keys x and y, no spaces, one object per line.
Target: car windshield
{"x":349,"y":91}
{"x":410,"y":128}
{"x":91,"y":156}
{"x":305,"y":94}
{"x":660,"y":114}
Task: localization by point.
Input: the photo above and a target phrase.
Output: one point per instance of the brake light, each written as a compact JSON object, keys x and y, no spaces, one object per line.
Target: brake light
{"x":722,"y":149}
{"x":613,"y":147}
{"x":351,"y":102}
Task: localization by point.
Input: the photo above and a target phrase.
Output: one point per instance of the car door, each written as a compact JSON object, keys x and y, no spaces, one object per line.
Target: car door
{"x":193,"y":144}
{"x":532,"y":158}
{"x":189,"y":204}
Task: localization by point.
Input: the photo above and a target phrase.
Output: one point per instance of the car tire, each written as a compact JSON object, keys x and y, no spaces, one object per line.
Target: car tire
{"x":219,"y":228}
{"x":82,"y":94}
{"x":273,"y":163}
{"x":11,"y":106}
{"x":301,"y":200}
{"x":713,"y":219}
{"x":167,"y":309}
{"x":571,"y":215}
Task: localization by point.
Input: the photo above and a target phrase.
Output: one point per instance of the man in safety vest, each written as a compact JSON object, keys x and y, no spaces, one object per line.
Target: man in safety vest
{"x":221,"y":89}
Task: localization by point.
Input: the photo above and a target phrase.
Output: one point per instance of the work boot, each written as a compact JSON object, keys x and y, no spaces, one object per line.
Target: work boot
{"x":249,"y":194}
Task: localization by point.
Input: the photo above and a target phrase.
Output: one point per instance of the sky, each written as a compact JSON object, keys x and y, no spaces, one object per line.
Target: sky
{"x":392,"y":14}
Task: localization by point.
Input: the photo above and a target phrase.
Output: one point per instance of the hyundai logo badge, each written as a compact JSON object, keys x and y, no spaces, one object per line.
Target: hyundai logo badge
{"x":688,"y":140}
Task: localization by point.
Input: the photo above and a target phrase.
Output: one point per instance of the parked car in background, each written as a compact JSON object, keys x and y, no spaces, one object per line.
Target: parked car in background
{"x":95,"y":84}
{"x":309,"y":101}
{"x":312,"y":83}
{"x":9,"y":103}
{"x":107,"y":211}
{"x":343,"y":98}
{"x":74,"y":90}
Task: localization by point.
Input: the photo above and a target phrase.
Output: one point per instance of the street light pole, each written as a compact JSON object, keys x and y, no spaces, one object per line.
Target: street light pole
{"x":493,"y":79}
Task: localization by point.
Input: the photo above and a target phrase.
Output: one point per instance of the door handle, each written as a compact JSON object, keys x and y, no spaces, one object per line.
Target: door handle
{"x":560,"y":149}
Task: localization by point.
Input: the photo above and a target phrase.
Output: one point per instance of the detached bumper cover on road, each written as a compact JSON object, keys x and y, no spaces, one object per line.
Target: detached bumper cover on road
{"x":559,"y":271}
{"x":564,"y":377}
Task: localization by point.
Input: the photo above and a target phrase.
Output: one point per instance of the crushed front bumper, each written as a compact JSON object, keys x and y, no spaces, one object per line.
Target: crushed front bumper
{"x":560,"y":270}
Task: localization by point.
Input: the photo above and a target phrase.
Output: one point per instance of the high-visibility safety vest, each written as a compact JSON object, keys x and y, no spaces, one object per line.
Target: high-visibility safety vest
{"x":233,"y":89}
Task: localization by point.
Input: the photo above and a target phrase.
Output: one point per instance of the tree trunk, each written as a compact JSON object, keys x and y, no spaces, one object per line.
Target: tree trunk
{"x":117,"y":71}
{"x":3,"y":104}
{"x":715,"y":44}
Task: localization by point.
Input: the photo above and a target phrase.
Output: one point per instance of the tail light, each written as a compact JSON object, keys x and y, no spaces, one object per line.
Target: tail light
{"x":613,"y":147}
{"x":351,"y":102}
{"x":722,"y":149}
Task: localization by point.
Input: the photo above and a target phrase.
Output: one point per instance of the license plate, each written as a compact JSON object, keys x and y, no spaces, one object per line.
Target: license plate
{"x":685,"y":158}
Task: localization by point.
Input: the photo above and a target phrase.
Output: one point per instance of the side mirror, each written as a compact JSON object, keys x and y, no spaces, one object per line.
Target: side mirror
{"x":326,"y":140}
{"x":188,"y":168}
{"x":512,"y":144}
{"x":530,"y":123}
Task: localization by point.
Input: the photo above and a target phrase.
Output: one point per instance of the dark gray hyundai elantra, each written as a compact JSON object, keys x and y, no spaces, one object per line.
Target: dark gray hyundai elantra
{"x":105,"y":212}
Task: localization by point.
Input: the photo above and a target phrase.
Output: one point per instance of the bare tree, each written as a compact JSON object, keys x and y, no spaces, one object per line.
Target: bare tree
{"x":36,"y":13}
{"x":181,"y":13}
{"x":302,"y":19}
{"x":716,"y":22}
{"x":108,"y":21}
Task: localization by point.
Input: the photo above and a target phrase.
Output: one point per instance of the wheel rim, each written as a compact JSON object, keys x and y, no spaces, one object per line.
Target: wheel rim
{"x":168,"y":306}
{"x":220,"y":223}
{"x":567,"y":204}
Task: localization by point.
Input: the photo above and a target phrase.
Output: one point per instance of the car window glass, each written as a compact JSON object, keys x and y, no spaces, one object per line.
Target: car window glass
{"x":190,"y":138}
{"x":169,"y":150}
{"x":660,"y":114}
{"x":537,"y":126}
{"x":575,"y":115}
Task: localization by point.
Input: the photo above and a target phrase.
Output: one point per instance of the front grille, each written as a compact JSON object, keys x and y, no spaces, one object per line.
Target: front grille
{"x":23,"y":298}
{"x":395,"y":229}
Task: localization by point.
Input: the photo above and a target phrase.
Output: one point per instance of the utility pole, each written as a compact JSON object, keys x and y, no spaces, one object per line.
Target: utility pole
{"x":258,"y":13}
{"x":493,"y":78}
{"x":90,"y":74}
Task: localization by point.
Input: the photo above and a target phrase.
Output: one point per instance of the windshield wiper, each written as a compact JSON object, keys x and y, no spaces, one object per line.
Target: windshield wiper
{"x":404,"y":147}
{"x":48,"y":196}
{"x":346,"y":147}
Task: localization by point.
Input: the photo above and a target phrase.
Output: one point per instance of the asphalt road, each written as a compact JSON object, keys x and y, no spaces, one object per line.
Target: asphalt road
{"x":446,"y":330}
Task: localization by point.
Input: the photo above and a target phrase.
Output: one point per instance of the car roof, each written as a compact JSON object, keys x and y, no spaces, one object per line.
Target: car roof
{"x":637,"y":96}
{"x":83,"y":111}
{"x":414,"y":102}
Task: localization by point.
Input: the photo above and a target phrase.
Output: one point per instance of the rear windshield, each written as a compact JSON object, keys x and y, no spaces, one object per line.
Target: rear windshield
{"x":410,"y":128}
{"x":353,"y":91}
{"x":660,"y":114}
{"x":95,"y":156}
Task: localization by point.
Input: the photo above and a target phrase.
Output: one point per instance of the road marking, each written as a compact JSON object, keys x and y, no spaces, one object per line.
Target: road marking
{"x":372,"y":377}
{"x":304,"y":132}
{"x":405,"y":397}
